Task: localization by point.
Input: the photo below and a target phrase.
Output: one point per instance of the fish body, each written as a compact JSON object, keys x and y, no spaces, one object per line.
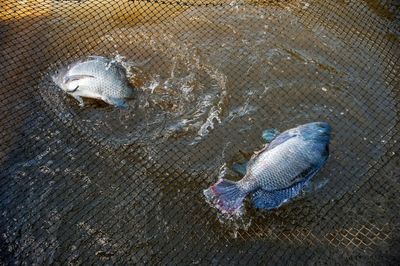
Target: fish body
{"x":278,"y":172}
{"x":96,"y":77}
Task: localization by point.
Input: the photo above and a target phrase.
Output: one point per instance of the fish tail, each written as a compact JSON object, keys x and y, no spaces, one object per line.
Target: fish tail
{"x":226,"y":196}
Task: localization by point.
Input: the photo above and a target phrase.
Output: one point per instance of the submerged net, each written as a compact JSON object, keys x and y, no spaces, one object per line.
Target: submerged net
{"x":104,"y":185}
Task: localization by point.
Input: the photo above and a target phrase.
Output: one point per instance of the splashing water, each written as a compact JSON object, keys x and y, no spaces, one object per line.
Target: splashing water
{"x":184,"y":97}
{"x":234,"y":221}
{"x":234,"y":80}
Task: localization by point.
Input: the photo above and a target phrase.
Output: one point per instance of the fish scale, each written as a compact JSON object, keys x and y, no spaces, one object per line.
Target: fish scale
{"x":96,"y":77}
{"x":278,"y":172}
{"x":277,"y":162}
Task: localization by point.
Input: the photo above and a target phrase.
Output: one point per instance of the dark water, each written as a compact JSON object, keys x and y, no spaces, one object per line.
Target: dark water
{"x":102,"y":184}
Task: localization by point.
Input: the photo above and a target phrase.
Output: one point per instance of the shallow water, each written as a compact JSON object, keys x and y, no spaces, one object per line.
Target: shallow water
{"x":100,"y":184}
{"x":238,"y":79}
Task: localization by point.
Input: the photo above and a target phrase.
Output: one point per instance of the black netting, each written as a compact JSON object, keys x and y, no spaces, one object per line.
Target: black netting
{"x":103,"y":185}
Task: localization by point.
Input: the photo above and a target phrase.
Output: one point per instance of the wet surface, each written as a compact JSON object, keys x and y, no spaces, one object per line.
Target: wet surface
{"x":100,"y":184}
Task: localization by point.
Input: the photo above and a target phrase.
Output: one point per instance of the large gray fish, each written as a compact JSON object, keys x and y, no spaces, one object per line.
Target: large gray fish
{"x":278,"y":172}
{"x":96,"y":77}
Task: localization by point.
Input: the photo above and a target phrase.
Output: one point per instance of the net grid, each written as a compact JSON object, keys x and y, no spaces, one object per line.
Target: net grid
{"x":99,"y":185}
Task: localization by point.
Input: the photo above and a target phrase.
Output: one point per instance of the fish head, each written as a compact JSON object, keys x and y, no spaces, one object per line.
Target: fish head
{"x":316,"y":131}
{"x":58,"y":77}
{"x":321,"y":127}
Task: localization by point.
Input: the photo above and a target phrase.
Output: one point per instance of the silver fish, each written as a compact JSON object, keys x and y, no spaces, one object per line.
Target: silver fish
{"x":96,"y":77}
{"x":278,"y":172}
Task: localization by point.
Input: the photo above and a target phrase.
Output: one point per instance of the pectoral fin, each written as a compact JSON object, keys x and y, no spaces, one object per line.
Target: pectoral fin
{"x":76,"y":77}
{"x":73,"y":90}
{"x":79,"y":99}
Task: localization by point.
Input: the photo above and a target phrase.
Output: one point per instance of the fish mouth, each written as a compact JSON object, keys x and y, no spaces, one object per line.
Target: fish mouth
{"x":323,"y":127}
{"x":317,"y":129}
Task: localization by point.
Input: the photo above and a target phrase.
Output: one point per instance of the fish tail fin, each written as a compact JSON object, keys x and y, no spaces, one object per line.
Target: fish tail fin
{"x":226,"y":196}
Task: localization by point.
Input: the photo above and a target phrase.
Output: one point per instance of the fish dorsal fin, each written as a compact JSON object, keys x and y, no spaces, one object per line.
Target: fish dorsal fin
{"x":282,"y":138}
{"x":76,"y":77}
{"x":255,"y":155}
{"x":240,"y":168}
{"x":246,"y":155}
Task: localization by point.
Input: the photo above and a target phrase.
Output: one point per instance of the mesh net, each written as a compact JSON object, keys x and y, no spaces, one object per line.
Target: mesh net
{"x":103,"y":185}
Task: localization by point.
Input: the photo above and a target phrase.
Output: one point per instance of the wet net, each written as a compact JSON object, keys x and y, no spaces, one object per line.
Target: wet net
{"x":102,"y":185}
